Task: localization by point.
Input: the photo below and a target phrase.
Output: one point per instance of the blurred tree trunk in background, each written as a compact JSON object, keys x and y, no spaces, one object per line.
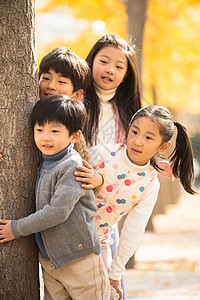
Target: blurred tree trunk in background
{"x":18,"y":93}
{"x":136,"y":11}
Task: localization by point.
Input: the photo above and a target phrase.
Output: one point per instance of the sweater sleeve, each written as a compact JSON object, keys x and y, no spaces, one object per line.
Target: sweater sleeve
{"x":133,"y":229}
{"x":67,"y":194}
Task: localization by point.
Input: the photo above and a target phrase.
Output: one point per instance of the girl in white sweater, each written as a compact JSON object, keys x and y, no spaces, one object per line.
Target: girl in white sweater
{"x":112,"y":97}
{"x":130,"y":180}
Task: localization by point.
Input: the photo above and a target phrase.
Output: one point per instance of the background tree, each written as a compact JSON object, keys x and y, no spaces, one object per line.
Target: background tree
{"x":136,"y":11}
{"x":18,"y":93}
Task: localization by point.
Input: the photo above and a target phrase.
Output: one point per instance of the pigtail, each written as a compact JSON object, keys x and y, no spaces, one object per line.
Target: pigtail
{"x":80,"y":147}
{"x":182,"y":159}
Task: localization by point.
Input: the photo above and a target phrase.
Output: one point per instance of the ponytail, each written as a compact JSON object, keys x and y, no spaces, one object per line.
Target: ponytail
{"x":182,"y":159}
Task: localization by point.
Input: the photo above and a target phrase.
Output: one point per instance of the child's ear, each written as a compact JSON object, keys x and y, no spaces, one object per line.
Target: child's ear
{"x":164,"y":147}
{"x":75,"y":136}
{"x":77,"y":95}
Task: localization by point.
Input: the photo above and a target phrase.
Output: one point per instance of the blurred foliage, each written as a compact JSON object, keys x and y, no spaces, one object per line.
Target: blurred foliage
{"x":171,"y":66}
{"x":91,"y":10}
{"x":107,"y":12}
{"x":171,"y":61}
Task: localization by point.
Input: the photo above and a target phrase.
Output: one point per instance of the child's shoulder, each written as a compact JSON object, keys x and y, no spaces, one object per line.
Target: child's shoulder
{"x":71,"y":159}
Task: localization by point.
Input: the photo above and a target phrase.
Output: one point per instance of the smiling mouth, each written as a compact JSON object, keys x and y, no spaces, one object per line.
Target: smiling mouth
{"x":47,"y":146}
{"x":107,"y":78}
{"x":136,"y":151}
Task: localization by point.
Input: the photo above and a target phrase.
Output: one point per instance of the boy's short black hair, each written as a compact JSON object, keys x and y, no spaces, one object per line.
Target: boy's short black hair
{"x":62,"y":109}
{"x":69,"y":64}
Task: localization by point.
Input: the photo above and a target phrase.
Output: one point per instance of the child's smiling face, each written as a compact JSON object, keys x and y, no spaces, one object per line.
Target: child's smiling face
{"x":109,"y":68}
{"x":144,"y":141}
{"x":52,"y":137}
{"x":52,"y":83}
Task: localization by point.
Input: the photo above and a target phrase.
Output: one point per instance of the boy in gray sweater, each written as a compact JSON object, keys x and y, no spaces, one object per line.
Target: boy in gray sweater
{"x":67,"y":238}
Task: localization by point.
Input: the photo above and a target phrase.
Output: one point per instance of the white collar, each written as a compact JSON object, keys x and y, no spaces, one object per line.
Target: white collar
{"x":104,"y":95}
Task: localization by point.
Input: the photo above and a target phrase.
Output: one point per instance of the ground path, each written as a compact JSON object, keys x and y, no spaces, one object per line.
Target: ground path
{"x":168,"y":260}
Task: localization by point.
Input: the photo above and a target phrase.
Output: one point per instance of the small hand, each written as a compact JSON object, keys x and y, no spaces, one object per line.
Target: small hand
{"x":117,"y":286}
{"x":1,"y":156}
{"x":88,"y":175}
{"x":6,"y":234}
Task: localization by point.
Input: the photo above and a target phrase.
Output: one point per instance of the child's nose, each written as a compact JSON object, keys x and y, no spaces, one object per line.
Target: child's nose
{"x":52,"y":84}
{"x":110,"y":69}
{"x":138,"y":140}
{"x":46,"y":136}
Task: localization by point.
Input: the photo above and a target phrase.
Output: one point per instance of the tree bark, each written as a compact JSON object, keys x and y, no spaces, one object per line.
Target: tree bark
{"x":18,"y":93}
{"x":136,"y":10}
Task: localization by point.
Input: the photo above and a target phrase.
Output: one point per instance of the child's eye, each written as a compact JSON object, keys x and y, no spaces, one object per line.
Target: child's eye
{"x":134,"y":132}
{"x":39,"y":130}
{"x":64,"y":82}
{"x":55,"y":131}
{"x":119,"y":67}
{"x":45,"y":78}
{"x":103,"y":61}
{"x":148,"y":138}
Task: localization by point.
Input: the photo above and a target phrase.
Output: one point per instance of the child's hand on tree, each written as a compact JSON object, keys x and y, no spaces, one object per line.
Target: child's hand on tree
{"x":89,"y":176}
{"x":6,"y":234}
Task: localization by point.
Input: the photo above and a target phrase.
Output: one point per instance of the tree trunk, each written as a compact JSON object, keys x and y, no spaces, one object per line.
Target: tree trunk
{"x":136,"y":10}
{"x":18,"y":93}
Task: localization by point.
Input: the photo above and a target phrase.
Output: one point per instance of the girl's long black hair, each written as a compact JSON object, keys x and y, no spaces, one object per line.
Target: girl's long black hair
{"x":127,"y":97}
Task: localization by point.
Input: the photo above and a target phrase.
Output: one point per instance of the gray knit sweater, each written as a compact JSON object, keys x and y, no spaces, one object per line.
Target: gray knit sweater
{"x":64,"y":214}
